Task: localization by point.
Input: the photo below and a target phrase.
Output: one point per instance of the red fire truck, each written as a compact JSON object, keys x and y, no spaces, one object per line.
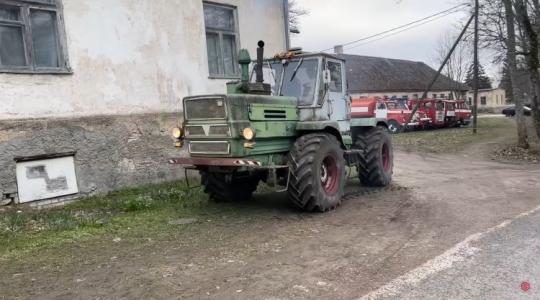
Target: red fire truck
{"x":396,"y":112}
{"x":463,"y":113}
{"x":434,"y":112}
{"x":450,"y":119}
{"x":443,"y":113}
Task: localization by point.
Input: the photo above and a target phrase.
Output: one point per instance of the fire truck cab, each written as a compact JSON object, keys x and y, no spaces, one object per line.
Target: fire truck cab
{"x":463,"y":113}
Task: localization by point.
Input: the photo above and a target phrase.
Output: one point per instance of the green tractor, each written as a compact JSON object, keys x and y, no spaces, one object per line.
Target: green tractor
{"x":294,"y":132}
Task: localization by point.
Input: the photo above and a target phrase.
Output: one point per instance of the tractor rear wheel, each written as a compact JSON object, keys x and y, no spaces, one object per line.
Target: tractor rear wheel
{"x":317,"y":173}
{"x":222,"y":187}
{"x":377,"y":162}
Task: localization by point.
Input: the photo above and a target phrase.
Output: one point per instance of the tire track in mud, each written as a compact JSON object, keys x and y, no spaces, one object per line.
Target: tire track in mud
{"x":372,"y":191}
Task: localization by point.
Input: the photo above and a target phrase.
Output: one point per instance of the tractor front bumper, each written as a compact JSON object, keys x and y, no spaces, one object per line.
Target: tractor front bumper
{"x":215,"y":162}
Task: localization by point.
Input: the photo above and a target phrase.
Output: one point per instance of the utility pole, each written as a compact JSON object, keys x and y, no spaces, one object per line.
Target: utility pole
{"x":475,"y":108}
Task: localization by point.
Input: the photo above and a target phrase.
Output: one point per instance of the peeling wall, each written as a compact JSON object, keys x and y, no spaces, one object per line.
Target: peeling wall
{"x":135,"y":57}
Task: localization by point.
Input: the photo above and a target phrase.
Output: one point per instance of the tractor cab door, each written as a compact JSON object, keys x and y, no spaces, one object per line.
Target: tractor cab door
{"x":338,"y":100}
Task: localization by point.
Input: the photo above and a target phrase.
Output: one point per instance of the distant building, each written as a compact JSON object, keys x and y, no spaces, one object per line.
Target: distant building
{"x":385,"y":77}
{"x":488,"y":98}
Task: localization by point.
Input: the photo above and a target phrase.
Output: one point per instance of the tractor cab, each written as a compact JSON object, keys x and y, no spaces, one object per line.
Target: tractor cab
{"x":317,"y":80}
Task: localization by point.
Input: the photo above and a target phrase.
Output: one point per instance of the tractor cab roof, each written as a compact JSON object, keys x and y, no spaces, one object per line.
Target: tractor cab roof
{"x":299,"y":54}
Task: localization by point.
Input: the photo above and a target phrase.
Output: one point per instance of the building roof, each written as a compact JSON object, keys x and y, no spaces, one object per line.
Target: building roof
{"x":368,"y":74}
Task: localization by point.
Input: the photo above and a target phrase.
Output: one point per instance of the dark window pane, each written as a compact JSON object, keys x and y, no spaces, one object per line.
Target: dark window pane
{"x":9,"y":13}
{"x":11,"y":46}
{"x":229,"y":54}
{"x":219,"y":17}
{"x":212,"y":43}
{"x":336,"y":84}
{"x":44,"y":36}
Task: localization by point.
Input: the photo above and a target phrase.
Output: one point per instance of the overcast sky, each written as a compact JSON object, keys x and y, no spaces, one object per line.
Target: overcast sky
{"x":336,"y":22}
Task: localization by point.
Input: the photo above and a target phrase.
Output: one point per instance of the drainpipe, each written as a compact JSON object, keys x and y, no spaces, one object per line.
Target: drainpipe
{"x":286,"y":23}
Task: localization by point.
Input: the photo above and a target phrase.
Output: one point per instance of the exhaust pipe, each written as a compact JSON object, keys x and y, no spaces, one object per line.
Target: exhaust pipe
{"x":260,"y":57}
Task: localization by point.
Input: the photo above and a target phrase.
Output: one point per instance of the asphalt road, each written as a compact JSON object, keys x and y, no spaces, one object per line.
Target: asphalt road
{"x":500,"y":263}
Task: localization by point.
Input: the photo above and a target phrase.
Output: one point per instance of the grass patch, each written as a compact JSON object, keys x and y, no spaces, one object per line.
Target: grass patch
{"x":139,"y":211}
{"x":454,"y":139}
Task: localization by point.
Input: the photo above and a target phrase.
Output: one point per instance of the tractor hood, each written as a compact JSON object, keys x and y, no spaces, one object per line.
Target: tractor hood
{"x":214,"y":124}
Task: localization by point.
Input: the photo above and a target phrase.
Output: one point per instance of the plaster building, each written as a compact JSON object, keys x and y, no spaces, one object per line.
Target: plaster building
{"x":489,"y":98}
{"x":91,"y":89}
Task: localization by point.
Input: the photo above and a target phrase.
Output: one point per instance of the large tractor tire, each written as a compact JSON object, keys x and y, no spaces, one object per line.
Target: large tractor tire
{"x":222,"y":187}
{"x":377,"y":162}
{"x":317,"y":173}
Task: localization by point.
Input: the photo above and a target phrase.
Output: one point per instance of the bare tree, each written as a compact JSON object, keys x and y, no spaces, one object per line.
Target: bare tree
{"x":510,"y":41}
{"x":456,"y":67}
{"x":295,"y":13}
{"x":531,"y":43}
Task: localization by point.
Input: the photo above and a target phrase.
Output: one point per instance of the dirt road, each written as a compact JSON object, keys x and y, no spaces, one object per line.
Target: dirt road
{"x":273,"y":252}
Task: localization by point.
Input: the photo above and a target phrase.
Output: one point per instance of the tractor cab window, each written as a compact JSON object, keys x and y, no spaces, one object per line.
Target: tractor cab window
{"x":440,"y":106}
{"x":297,"y":78}
{"x":336,"y":77}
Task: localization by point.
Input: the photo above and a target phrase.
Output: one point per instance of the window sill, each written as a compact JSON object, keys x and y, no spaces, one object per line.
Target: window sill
{"x":67,"y":71}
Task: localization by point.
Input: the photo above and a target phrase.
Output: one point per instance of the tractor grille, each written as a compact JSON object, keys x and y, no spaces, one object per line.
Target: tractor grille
{"x":222,"y":130}
{"x":209,"y":147}
{"x":195,"y":130}
{"x":205,"y":108}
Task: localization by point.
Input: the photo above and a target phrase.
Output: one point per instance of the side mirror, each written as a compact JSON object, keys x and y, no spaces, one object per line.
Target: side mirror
{"x":327,"y":77}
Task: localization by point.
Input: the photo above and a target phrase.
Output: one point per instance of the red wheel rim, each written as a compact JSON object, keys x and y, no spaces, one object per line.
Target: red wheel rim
{"x":330,"y":175}
{"x":386,"y":157}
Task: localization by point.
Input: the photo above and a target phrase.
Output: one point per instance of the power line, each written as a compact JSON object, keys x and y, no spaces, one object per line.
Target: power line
{"x":402,"y":26}
{"x":400,"y":31}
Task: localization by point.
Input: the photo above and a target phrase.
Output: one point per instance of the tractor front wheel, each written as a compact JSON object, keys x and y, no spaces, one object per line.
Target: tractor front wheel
{"x":377,"y":162}
{"x":317,"y":173}
{"x":224,"y":187}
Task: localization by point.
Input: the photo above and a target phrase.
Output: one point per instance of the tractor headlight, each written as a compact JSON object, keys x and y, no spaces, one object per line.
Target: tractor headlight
{"x":177,"y":132}
{"x":248,"y":133}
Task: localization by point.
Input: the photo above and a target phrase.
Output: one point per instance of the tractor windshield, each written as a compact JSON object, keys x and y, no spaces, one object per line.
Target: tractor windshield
{"x":297,"y":78}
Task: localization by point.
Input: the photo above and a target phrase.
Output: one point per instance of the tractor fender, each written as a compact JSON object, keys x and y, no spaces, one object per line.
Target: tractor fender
{"x":368,"y":122}
{"x":321,"y":126}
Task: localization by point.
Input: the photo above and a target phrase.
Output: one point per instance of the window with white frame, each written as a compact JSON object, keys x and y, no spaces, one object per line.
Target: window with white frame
{"x":32,"y":38}
{"x":221,"y":40}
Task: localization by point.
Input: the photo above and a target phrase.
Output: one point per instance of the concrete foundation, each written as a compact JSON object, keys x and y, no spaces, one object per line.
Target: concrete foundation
{"x":111,"y":152}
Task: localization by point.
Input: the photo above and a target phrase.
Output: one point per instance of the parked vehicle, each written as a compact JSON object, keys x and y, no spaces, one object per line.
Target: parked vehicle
{"x":511,"y":111}
{"x":294,"y":131}
{"x":463,"y":113}
{"x":450,"y":119}
{"x":398,"y":116}
{"x":434,"y":111}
